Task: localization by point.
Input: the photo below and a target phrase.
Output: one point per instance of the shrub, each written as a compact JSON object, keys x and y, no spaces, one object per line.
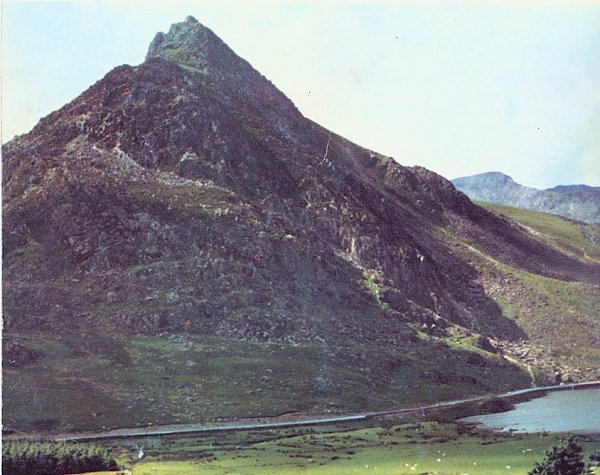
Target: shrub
{"x":564,"y":459}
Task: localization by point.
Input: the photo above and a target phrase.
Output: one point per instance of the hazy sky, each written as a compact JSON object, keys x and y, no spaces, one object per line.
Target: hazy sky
{"x":459,"y":89}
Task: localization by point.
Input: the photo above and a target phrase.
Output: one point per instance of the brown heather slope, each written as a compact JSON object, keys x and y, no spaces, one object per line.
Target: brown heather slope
{"x":189,"y":195}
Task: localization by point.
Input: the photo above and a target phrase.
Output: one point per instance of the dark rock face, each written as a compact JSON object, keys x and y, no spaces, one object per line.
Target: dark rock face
{"x":188,"y":192}
{"x":579,"y":202}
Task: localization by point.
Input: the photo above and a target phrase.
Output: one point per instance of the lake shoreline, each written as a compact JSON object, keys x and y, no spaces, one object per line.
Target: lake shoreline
{"x":551,"y":410}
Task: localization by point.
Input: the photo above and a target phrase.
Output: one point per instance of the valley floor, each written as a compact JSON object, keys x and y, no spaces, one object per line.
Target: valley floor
{"x":410,"y":448}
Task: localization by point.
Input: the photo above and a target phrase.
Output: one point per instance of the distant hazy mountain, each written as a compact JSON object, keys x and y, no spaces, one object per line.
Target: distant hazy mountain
{"x":581,"y":202}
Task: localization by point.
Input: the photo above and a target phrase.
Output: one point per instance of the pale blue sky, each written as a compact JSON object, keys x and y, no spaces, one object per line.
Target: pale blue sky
{"x":458,"y":89}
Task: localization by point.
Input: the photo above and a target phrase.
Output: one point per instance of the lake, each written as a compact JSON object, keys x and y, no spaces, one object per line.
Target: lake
{"x":559,"y":411}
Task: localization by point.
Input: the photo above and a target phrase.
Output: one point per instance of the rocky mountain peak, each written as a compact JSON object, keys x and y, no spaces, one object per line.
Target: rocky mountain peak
{"x":497,"y":177}
{"x":191,"y":44}
{"x":485,"y":181}
{"x":191,"y":188}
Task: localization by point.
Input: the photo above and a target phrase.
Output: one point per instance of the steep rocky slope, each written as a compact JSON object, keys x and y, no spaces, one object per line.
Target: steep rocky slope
{"x":579,"y":202}
{"x":188,"y":197}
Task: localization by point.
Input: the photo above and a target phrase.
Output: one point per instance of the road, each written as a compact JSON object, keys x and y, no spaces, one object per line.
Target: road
{"x":275,"y":424}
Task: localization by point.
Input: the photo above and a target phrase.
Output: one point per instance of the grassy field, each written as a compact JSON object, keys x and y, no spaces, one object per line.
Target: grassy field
{"x":410,"y":448}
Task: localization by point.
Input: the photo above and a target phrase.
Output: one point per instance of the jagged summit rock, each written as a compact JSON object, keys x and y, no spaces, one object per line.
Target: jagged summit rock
{"x":191,"y":20}
{"x":192,"y":44}
{"x":196,"y":48}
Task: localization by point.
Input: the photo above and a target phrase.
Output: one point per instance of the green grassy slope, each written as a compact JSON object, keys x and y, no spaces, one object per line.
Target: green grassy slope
{"x":572,"y":237}
{"x":561,"y":319}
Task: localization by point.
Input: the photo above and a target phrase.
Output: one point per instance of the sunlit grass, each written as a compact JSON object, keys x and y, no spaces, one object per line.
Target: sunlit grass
{"x":409,"y":449}
{"x":561,"y":232}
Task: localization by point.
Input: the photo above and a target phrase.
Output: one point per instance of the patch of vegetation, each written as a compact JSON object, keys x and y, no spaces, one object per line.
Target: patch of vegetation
{"x":497,"y":404}
{"x":563,"y":459}
{"x":183,"y":201}
{"x":21,"y":457}
{"x":560,"y":315}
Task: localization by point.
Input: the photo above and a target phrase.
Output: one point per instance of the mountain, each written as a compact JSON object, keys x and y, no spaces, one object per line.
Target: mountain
{"x":580,"y":202}
{"x":180,"y":243}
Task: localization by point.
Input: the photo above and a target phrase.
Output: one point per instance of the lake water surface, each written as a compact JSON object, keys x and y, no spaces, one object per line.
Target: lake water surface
{"x":559,"y":411}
